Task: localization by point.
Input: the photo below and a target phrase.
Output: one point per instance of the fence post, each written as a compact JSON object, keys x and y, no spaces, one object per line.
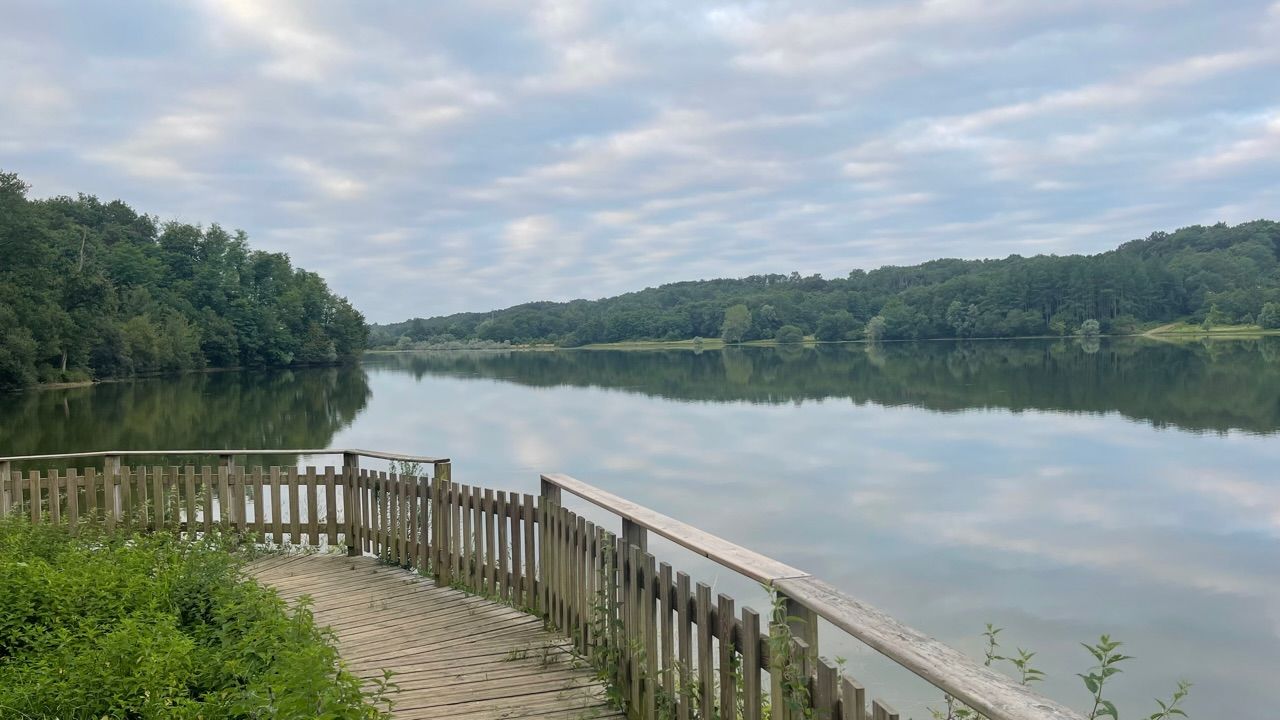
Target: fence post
{"x":229,"y":463}
{"x":549,"y":494}
{"x":803,"y":623}
{"x":441,"y":509}
{"x":111,"y":485}
{"x":350,"y":469}
{"x":5,"y":502}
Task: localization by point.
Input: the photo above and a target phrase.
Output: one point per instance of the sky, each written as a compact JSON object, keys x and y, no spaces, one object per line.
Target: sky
{"x":429,"y":158}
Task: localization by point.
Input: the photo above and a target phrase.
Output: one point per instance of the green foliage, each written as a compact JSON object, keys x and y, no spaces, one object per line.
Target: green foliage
{"x":1269,"y":317}
{"x":789,"y":334}
{"x":875,"y":329}
{"x":155,"y":627}
{"x":93,"y":289}
{"x":737,"y":321}
{"x":1163,"y":278}
{"x":1090,"y":328}
{"x":1107,"y":661}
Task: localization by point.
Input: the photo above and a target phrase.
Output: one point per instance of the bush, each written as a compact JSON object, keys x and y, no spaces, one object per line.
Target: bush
{"x":789,"y":334}
{"x":156,"y":627}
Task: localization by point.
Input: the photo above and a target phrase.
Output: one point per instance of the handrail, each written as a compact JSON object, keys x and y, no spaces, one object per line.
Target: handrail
{"x":993,"y":695}
{"x":226,"y":452}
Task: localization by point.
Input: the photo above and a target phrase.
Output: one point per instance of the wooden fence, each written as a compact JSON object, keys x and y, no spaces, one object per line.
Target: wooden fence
{"x":670,"y":648}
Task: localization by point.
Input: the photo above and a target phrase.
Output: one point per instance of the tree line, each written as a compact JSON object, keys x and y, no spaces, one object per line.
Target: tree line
{"x":92,"y":290}
{"x":1209,"y":275}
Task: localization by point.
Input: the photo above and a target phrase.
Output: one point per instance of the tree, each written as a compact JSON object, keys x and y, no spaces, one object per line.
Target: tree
{"x":835,"y":326}
{"x":875,"y":329}
{"x":1269,"y":317}
{"x":737,"y":321}
{"x":789,"y":334}
{"x":1090,"y":328}
{"x":1214,"y":318}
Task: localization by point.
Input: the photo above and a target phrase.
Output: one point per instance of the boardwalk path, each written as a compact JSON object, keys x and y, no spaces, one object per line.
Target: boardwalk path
{"x":454,"y":655}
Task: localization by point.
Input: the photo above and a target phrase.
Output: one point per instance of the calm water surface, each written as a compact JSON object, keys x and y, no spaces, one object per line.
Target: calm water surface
{"x":1058,"y":489}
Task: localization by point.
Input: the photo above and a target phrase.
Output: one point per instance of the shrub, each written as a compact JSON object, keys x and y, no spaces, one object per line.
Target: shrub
{"x":156,"y":627}
{"x":789,"y":334}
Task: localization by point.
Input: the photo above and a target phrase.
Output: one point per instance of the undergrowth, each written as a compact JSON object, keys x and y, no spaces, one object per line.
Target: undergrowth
{"x":151,"y":626}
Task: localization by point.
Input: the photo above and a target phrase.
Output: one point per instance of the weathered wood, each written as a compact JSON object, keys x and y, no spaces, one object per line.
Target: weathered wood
{"x":994,"y":695}
{"x":313,"y":507}
{"x":504,"y":547}
{"x":53,"y":481}
{"x":684,"y":627}
{"x":189,"y":485}
{"x":751,"y":564}
{"x":728,"y":688}
{"x":124,"y":486}
{"x":530,"y":550}
{"x":706,"y":671}
{"x":6,"y":488}
{"x":114,"y":455}
{"x":650,"y":638}
{"x":490,"y":565}
{"x":515,"y":503}
{"x":825,"y":691}
{"x":330,"y":506}
{"x":853,"y":700}
{"x":91,"y":502}
{"x":666,"y":607}
{"x":141,"y":499}
{"x":277,"y":522}
{"x":751,"y":695}
{"x":157,"y":498}
{"x":295,"y":524}
{"x":880,"y":710}
{"x":73,"y":500}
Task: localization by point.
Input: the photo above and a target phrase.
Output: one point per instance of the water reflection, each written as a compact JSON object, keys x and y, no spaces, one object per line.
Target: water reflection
{"x":249,"y":409}
{"x":1209,"y":386}
{"x":1059,"y":490}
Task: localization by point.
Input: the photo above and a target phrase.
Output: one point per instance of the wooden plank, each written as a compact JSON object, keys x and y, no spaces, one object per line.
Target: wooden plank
{"x":223,"y":474}
{"x":277,"y":522}
{"x":73,"y":500}
{"x":853,"y":700}
{"x":634,"y":629}
{"x":825,"y":690}
{"x":92,"y":483}
{"x":240,"y":489}
{"x":991,"y":694}
{"x":504,"y":547}
{"x":53,"y":481}
{"x":330,"y":506}
{"x":684,"y":628}
{"x":295,"y":520}
{"x":800,"y":657}
{"x":486,"y":517}
{"x":752,"y":564}
{"x":880,"y":710}
{"x":466,"y":547}
{"x":666,"y":608}
{"x":141,"y":499}
{"x":6,"y":488}
{"x":189,"y":484}
{"x":728,"y":689}
{"x":313,"y":507}
{"x":157,"y":498}
{"x":530,"y":550}
{"x":706,"y":671}
{"x":124,"y":479}
{"x":421,"y":524}
{"x":751,"y":696}
{"x":515,"y":503}
{"x":260,"y":503}
{"x":650,"y":638}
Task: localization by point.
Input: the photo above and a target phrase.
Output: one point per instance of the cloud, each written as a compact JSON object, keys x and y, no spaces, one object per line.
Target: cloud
{"x":516,"y":151}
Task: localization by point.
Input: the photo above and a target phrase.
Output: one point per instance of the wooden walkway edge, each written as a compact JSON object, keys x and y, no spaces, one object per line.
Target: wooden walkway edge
{"x":454,"y":655}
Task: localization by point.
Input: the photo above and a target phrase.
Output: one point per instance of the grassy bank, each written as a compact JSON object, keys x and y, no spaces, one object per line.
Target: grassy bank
{"x":1183,"y":329}
{"x":156,"y":627}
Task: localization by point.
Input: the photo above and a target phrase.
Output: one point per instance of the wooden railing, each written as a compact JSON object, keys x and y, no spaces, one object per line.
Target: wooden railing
{"x":669,"y":648}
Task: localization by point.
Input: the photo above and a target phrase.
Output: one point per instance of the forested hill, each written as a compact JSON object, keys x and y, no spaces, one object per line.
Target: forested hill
{"x":1217,"y":274}
{"x":95,"y":290}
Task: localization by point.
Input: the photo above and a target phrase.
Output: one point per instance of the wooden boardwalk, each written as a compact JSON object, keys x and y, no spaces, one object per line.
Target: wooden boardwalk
{"x":454,"y":655}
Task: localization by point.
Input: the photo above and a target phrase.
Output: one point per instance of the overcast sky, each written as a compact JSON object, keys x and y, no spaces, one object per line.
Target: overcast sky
{"x":434,"y":157}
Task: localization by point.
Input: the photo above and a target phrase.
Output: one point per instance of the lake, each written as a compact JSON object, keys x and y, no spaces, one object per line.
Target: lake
{"x":1060,"y":489}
